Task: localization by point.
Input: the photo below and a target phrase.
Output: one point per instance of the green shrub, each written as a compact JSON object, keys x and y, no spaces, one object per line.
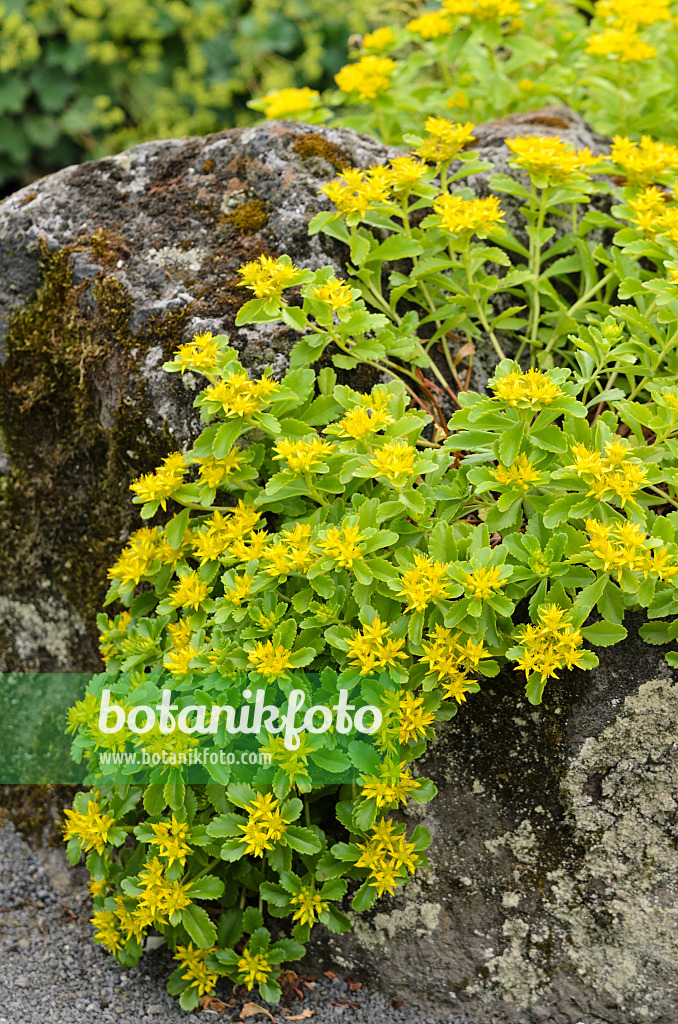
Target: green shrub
{"x":79,"y":79}
{"x":394,"y":553}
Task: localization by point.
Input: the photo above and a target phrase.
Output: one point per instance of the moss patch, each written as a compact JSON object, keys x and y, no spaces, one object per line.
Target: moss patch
{"x":65,"y":506}
{"x":248,"y":217}
{"x":315,"y":145}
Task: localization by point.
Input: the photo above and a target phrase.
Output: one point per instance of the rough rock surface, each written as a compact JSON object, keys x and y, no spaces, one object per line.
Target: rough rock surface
{"x":552,"y":886}
{"x":104,"y":269}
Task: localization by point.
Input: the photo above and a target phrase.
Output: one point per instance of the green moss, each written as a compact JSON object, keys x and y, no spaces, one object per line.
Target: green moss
{"x":108,"y":247}
{"x":36,"y":811}
{"x":315,"y":145}
{"x":208,"y":167}
{"x":248,"y":217}
{"x":65,"y":505}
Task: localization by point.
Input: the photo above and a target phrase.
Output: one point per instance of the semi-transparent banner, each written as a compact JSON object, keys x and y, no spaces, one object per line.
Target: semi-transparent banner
{"x":314,"y":728}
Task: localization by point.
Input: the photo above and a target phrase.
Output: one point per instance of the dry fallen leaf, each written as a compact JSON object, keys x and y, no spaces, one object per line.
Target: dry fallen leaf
{"x":330,"y":974}
{"x":212,"y":1003}
{"x":300,"y":1016}
{"x":252,"y":1009}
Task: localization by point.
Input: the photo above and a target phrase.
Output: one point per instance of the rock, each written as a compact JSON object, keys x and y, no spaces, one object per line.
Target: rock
{"x":553,"y":877}
{"x":553,"y":865}
{"x":104,"y":269}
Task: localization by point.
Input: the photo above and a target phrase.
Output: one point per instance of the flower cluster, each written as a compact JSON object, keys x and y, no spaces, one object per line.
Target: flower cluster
{"x":91,"y":827}
{"x":444,"y":140}
{"x":289,"y":102}
{"x":549,"y":645}
{"x":521,"y":474}
{"x":373,"y":648}
{"x":160,"y":486}
{"x":425,"y":582}
{"x":370,"y":76}
{"x":624,"y":545}
{"x":449,"y":658}
{"x":268,"y":277}
{"x":549,"y":160}
{"x":623,"y":18}
{"x":194,"y":969}
{"x":645,"y":161}
{"x":466,"y":217}
{"x":614,"y":472}
{"x":265,"y":824}
{"x":526,"y":390}
{"x":483,"y":10}
{"x":355,"y":192}
{"x":387,"y":856}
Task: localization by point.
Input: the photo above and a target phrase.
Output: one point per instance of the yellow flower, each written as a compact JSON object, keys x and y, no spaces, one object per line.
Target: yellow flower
{"x":310,"y":905}
{"x":623,"y":42}
{"x":91,"y":827}
{"x":369,"y":417}
{"x":178,"y":662}
{"x":373,"y":648}
{"x":483,"y":10}
{"x":238,"y":395}
{"x":215,"y":471}
{"x":268,"y":277}
{"x":394,"y":460}
{"x":414,"y":719}
{"x":286,"y":102}
{"x":649,"y":207}
{"x":630,"y":12}
{"x":468,"y":217}
{"x":253,"y":969}
{"x":450,"y":660}
{"x":342,"y":543}
{"x":380,"y":39}
{"x":190,"y":592}
{"x":521,"y":473}
{"x":170,"y":838}
{"x":645,"y":161}
{"x":484,"y":583}
{"x":550,"y":159}
{"x":370,"y":76}
{"x":406,"y":172}
{"x":431,"y":25}
{"x":192,"y":963}
{"x":355,"y":192}
{"x":106,"y":930}
{"x":160,"y":486}
{"x":336,"y":294}
{"x":526,"y":390}
{"x":269,"y":659}
{"x":388,"y":792}
{"x":444,"y":140}
{"x":387,"y":856}
{"x":424,"y":583}
{"x":303,"y":456}
{"x":199,"y":355}
{"x":550,"y":645}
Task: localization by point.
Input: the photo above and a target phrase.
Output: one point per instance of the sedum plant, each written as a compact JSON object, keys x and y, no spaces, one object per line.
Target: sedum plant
{"x":321,"y":530}
{"x":320,"y":539}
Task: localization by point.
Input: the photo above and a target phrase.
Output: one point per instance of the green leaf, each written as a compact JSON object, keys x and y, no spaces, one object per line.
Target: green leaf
{"x":331,"y":760}
{"x":176,"y":528}
{"x":174,"y":790}
{"x":396,"y":247}
{"x":225,"y":438}
{"x":295,"y":317}
{"x":364,"y":898}
{"x":198,"y":925}
{"x":209,"y":887}
{"x":303,"y":840}
{"x":604,"y":634}
{"x":510,"y":443}
{"x":230,"y":928}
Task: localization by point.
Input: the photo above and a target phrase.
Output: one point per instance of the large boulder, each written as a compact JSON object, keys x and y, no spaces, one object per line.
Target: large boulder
{"x":104,"y":269}
{"x":552,"y":887}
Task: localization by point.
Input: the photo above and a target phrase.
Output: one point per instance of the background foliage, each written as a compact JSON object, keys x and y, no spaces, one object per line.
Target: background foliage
{"x":79,"y":78}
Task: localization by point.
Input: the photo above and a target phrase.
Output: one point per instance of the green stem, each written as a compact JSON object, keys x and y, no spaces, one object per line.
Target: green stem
{"x":206,"y":869}
{"x":665,"y":350}
{"x":480,"y":312}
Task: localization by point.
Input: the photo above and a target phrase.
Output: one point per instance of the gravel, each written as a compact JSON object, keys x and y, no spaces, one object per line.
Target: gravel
{"x":51,"y":971}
